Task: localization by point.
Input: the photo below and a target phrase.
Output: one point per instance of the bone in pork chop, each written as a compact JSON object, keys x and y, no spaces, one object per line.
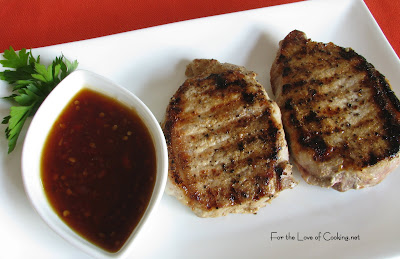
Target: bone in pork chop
{"x":226,"y":145}
{"x":341,"y":118}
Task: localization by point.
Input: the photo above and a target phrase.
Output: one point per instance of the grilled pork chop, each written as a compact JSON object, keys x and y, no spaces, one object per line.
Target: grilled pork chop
{"x":341,"y":118}
{"x":226,"y":145}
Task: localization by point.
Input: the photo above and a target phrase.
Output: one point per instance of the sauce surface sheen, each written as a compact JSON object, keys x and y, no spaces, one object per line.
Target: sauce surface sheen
{"x":99,"y":168}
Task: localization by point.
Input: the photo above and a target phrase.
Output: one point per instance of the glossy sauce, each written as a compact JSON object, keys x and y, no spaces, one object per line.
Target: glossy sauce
{"x":99,"y":169}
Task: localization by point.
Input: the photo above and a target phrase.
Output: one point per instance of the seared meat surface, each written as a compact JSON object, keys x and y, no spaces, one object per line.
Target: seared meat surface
{"x":341,"y":118}
{"x":226,"y":144}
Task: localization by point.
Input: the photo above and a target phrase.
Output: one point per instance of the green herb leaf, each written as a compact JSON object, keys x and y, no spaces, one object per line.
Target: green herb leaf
{"x":16,"y":120}
{"x":31,"y":83}
{"x":14,"y":60}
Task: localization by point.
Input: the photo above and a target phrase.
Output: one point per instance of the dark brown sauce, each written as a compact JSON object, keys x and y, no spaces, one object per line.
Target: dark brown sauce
{"x":99,"y":169}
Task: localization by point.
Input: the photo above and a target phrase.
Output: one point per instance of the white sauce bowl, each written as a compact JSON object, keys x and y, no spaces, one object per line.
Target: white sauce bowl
{"x":36,"y":137}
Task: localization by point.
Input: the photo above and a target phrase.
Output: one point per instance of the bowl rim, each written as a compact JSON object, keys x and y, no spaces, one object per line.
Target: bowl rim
{"x":37,"y":134}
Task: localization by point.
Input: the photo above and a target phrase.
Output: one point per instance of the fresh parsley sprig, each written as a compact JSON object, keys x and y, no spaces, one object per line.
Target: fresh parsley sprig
{"x":32,"y":82}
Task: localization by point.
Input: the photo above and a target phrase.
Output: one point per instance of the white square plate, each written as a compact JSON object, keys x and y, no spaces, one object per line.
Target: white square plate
{"x":151,"y":63}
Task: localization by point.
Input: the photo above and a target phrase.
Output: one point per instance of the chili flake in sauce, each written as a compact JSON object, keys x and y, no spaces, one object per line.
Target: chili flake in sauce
{"x":99,"y":168}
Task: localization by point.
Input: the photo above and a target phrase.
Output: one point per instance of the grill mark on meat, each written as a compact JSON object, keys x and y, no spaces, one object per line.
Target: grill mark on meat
{"x":236,"y":193}
{"x":249,"y":97}
{"x":313,"y":117}
{"x":260,"y":142}
{"x":279,"y":172}
{"x":315,"y":141}
{"x":219,"y":155}
{"x":391,"y":123}
{"x":224,"y":80}
{"x":225,"y":139}
{"x":236,"y":128}
{"x":222,"y":97}
{"x":347,"y":53}
{"x":314,"y":85}
{"x":217,"y":122}
{"x":286,"y":71}
{"x":212,"y":195}
{"x":335,"y":104}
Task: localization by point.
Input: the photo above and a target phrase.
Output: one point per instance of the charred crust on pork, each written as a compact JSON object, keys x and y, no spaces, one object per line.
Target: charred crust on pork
{"x":339,"y":108}
{"x":226,"y":143}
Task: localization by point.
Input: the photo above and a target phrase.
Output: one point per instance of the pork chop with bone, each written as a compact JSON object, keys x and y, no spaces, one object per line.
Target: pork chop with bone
{"x":226,"y":145}
{"x":341,"y":117}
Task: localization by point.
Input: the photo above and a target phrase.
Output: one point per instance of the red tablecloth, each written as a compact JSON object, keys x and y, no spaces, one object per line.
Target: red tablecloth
{"x":37,"y":23}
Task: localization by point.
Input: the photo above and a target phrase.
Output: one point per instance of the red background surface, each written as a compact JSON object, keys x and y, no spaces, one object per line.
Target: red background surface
{"x":38,"y":23}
